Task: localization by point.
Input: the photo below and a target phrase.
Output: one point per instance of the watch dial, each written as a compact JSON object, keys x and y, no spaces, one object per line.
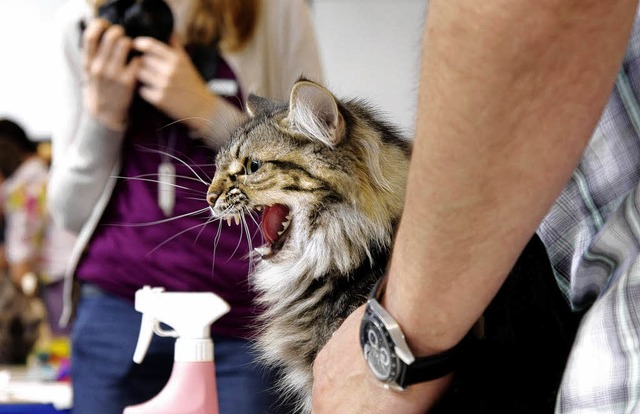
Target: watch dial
{"x":379,"y":350}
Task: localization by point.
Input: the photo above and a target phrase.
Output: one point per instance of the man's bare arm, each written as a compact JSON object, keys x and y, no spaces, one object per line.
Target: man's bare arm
{"x":510,"y":93}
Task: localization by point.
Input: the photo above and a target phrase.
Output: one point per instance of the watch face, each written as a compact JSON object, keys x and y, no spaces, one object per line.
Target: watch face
{"x":378,"y":348}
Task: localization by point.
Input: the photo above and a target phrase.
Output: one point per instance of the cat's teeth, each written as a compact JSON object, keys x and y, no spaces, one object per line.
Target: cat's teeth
{"x":285,"y":224}
{"x":233,"y":217}
{"x":263,"y":250}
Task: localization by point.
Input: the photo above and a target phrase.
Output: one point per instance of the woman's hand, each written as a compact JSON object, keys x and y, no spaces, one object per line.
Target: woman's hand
{"x":171,"y":83}
{"x":109,"y":80}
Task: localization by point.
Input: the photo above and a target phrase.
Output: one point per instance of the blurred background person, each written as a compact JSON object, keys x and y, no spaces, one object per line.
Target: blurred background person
{"x":36,"y":250}
{"x":4,"y":265}
{"x":143,"y":117}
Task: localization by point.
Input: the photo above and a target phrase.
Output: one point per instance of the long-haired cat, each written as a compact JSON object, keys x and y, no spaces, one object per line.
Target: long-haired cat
{"x":330,"y":181}
{"x":329,"y":178}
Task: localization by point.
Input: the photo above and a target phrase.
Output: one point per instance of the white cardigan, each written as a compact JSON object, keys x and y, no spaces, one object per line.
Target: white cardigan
{"x":86,"y":155}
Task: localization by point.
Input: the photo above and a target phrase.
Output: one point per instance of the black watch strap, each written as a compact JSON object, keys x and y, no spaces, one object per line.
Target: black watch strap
{"x":426,"y":368}
{"x":430,"y":367}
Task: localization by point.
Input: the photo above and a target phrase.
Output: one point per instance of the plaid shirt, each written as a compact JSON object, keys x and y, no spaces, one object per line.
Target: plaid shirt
{"x":592,"y":234}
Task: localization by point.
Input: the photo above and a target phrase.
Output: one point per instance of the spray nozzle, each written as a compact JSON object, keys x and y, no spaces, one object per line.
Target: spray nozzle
{"x":189,"y":314}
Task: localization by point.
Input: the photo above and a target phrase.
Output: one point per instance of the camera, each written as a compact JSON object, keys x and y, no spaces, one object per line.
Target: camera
{"x":151,"y":18}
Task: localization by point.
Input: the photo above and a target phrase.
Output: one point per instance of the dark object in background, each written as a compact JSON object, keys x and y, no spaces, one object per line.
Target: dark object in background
{"x":529,"y":328}
{"x":21,"y":320}
{"x":140,"y":17}
{"x":154,"y":18}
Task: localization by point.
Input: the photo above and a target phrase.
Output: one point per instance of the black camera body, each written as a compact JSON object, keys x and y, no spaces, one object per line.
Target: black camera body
{"x":151,"y":18}
{"x":154,"y":18}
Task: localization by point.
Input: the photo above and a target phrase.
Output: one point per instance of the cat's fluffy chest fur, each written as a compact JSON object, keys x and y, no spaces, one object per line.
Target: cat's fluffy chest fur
{"x":330,"y":180}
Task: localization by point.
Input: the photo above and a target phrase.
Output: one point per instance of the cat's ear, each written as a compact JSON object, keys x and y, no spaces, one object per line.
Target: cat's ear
{"x":313,"y":111}
{"x":257,"y":105}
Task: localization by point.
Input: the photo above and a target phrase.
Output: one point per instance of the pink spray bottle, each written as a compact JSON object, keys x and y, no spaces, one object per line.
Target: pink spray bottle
{"x":192,"y":386}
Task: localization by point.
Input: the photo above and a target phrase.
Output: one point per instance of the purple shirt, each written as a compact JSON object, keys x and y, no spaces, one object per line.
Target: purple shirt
{"x":128,"y":252}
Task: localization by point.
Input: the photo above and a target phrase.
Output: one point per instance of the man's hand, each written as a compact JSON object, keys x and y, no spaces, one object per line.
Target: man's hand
{"x":342,"y":382}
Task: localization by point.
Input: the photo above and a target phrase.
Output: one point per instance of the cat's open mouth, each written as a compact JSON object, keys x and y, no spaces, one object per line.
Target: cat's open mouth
{"x":274,"y":226}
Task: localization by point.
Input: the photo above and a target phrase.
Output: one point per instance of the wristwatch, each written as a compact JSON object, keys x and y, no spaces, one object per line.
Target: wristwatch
{"x":387,"y":353}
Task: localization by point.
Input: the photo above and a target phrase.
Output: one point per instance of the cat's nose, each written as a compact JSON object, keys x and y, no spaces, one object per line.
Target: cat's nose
{"x":211,"y":198}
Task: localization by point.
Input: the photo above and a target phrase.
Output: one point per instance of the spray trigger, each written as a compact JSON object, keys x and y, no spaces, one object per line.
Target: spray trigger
{"x":148,"y":323}
{"x":144,"y":338}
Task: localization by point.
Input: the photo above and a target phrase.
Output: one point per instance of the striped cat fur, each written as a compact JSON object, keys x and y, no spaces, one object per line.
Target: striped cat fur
{"x":329,"y":177}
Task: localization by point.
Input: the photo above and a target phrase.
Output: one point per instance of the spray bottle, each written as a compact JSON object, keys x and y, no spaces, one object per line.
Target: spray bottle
{"x":192,"y":386}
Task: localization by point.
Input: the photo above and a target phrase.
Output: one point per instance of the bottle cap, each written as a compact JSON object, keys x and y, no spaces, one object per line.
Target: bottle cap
{"x":193,"y":350}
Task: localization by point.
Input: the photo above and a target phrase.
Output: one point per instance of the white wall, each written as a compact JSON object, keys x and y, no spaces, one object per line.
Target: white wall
{"x":26,"y":51}
{"x":370,"y":49}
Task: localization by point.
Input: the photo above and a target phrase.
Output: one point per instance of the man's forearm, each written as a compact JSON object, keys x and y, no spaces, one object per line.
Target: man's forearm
{"x":510,"y":92}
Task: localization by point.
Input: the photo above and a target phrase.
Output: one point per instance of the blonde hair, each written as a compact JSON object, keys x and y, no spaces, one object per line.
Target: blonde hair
{"x":229,"y":22}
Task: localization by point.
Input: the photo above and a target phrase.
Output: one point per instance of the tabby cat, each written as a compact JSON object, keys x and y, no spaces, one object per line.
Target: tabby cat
{"x":329,"y":178}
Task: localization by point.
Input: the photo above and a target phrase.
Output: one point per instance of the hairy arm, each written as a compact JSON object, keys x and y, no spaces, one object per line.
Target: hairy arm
{"x":510,"y":92}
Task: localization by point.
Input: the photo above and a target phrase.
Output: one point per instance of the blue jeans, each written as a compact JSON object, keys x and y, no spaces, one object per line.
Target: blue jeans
{"x":105,"y":379}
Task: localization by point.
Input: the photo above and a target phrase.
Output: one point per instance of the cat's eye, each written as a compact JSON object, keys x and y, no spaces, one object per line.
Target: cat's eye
{"x":252,"y":166}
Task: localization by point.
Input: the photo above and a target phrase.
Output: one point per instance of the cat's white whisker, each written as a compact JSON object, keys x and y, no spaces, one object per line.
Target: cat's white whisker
{"x":206,"y":120}
{"x":197,"y":199}
{"x":150,"y":180}
{"x":206,"y":182}
{"x":171,"y":123}
{"x":209,"y":221}
{"x":249,"y":243}
{"x":183,"y":159}
{"x":215,"y":246}
{"x":176,"y":235}
{"x":239,"y":243}
{"x":184,"y":177}
{"x":151,"y":223}
{"x":251,"y":213}
{"x":223,"y":215}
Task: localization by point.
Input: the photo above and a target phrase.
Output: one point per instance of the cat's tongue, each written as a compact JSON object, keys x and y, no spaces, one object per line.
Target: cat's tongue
{"x":272,"y":219}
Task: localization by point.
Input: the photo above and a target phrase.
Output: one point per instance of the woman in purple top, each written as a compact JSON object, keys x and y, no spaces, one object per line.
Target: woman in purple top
{"x":130,"y":118}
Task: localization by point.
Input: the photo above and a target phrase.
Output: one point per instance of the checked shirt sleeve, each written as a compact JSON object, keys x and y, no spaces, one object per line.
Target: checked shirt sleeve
{"x":592,"y":235}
